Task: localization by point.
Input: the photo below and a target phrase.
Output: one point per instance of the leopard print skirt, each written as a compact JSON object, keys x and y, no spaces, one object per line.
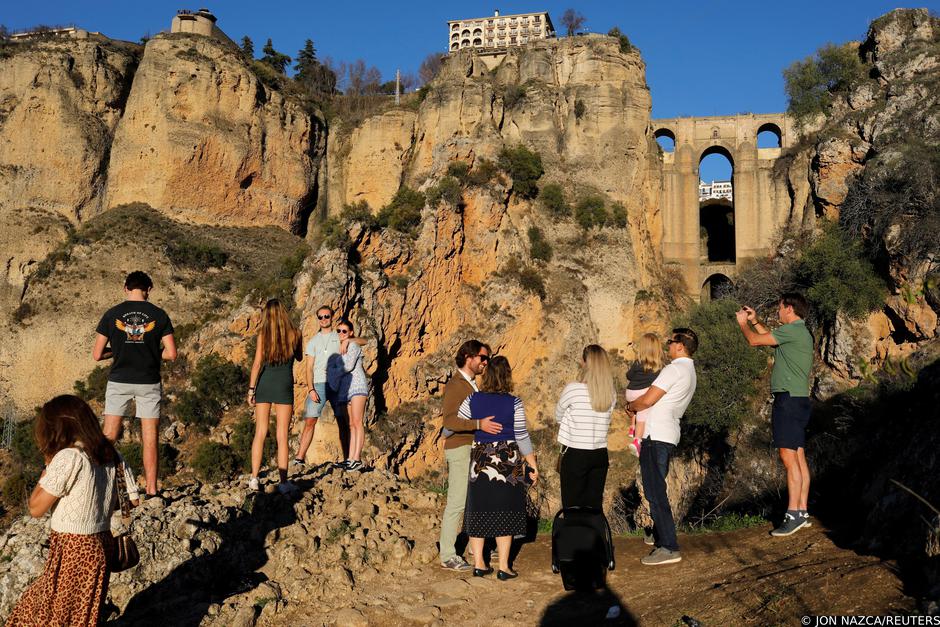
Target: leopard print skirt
{"x":72,"y":586}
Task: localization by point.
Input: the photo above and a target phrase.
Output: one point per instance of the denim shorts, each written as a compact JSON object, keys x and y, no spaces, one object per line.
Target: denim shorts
{"x":315,"y":410}
{"x":789,"y":418}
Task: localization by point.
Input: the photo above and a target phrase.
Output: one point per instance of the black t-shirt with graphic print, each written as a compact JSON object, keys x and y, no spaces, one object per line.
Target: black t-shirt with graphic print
{"x":134,"y":330}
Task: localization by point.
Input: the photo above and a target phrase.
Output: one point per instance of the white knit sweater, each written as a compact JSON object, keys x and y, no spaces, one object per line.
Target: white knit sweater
{"x":87,"y":492}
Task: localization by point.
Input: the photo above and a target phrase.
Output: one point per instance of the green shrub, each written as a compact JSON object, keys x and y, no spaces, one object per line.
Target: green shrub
{"x":197,"y":410}
{"x":837,"y":278}
{"x":579,"y":109}
{"x":94,"y":385}
{"x":625,"y":45}
{"x":812,"y":82}
{"x":447,"y":189}
{"x":279,"y":282}
{"x":196,"y":255}
{"x":590,"y":212}
{"x":220,"y":380}
{"x":728,"y":370}
{"x":334,"y":233}
{"x":16,"y":489}
{"x":460,"y":170}
{"x":242,"y":437}
{"x":403,"y":213}
{"x":482,"y":173}
{"x":539,"y":248}
{"x":618,"y":215}
{"x":24,"y":446}
{"x":513,"y":95}
{"x":526,"y":276}
{"x":133,"y":454}
{"x":525,"y":168}
{"x":214,"y":462}
{"x":553,"y":199}
{"x":359,"y":212}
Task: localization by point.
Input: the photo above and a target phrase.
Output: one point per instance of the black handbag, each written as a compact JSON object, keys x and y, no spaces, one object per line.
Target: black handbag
{"x":125,"y":554}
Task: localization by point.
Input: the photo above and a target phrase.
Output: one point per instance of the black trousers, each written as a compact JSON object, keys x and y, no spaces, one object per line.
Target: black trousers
{"x":654,"y":465}
{"x":583,"y":475}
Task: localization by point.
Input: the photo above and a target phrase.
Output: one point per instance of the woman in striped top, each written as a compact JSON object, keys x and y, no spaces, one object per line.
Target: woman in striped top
{"x":583,"y":413}
{"x":501,"y":467}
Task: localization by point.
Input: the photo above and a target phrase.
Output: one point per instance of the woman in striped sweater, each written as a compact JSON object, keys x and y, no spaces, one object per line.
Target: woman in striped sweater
{"x":583,"y":413}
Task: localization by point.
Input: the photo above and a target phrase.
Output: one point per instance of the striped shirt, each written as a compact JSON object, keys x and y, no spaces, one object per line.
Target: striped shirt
{"x":581,"y":426}
{"x":482,"y":404}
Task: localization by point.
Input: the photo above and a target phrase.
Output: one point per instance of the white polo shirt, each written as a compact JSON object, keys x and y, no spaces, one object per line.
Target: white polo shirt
{"x":678,"y":381}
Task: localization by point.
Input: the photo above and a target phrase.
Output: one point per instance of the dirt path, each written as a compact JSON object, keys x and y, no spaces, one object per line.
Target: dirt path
{"x":735,"y":578}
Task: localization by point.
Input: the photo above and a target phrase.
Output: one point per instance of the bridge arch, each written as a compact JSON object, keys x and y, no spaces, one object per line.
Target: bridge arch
{"x":769,"y":135}
{"x":716,"y":287}
{"x":666,"y":139}
{"x":716,"y":230}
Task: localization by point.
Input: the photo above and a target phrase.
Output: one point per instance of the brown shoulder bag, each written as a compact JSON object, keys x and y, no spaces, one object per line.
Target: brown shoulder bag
{"x":125,"y":554}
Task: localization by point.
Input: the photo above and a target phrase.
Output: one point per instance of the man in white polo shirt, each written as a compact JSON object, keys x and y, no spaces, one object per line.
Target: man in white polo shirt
{"x":667,"y":399}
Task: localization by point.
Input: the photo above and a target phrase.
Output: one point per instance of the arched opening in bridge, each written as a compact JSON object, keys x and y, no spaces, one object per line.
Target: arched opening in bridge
{"x":716,"y":221}
{"x":769,"y":136}
{"x":716,"y":287}
{"x":716,"y":206}
{"x":666,"y":139}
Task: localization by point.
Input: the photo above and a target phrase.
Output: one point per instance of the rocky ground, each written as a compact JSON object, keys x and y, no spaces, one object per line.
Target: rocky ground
{"x":360,"y":550}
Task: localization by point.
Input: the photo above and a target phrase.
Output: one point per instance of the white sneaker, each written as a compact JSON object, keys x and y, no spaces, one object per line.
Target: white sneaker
{"x":287,"y":488}
{"x":253,"y":484}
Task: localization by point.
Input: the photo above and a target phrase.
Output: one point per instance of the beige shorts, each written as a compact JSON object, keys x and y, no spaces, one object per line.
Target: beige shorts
{"x":118,"y":398}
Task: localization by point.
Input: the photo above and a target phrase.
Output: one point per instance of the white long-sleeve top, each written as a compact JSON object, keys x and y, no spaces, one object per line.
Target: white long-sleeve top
{"x":581,"y":426}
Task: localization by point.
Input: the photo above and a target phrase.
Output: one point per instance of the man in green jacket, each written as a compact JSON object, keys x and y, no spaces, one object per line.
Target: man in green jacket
{"x":789,"y":384}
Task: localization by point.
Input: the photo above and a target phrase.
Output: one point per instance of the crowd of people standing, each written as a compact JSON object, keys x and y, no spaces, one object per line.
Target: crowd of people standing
{"x":490,"y":458}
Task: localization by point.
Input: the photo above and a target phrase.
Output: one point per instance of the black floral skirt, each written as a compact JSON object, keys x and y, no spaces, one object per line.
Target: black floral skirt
{"x":496,"y":504}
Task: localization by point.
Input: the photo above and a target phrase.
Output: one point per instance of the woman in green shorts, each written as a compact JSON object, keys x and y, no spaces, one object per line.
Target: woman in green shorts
{"x":272,"y":383}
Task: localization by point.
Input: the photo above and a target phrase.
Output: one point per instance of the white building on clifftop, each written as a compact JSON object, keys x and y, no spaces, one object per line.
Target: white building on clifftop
{"x":201,"y":22}
{"x":498,"y":32}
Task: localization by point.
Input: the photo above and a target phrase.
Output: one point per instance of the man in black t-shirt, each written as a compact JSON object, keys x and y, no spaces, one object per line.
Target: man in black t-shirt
{"x":138,"y":335}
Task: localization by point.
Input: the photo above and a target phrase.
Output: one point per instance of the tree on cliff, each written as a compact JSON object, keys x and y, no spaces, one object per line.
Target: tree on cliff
{"x":430,"y":68}
{"x":248,"y":47}
{"x":273,"y":58}
{"x":812,"y":82}
{"x":572,"y":21}
{"x":318,"y":79}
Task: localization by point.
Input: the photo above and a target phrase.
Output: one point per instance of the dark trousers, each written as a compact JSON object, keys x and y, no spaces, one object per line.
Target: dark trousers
{"x":583,"y":475}
{"x":654,"y":465}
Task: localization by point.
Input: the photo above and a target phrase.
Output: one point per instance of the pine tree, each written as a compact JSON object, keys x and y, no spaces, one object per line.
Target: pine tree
{"x":275,"y":59}
{"x":248,"y":47}
{"x":306,"y":62}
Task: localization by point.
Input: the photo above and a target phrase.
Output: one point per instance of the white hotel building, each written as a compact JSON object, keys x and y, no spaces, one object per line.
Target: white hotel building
{"x":498,"y":31}
{"x":715,"y":189}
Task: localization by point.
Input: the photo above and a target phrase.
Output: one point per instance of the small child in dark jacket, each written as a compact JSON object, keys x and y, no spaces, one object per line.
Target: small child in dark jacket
{"x":649,"y":361}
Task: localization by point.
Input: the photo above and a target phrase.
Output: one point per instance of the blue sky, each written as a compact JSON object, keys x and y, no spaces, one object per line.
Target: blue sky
{"x":713,"y":57}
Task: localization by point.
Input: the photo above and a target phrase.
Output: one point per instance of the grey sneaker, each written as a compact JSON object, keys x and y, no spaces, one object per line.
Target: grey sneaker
{"x":789,"y":525}
{"x":648,"y":539}
{"x":661,"y":555}
{"x":456,"y":563}
{"x":805,"y":515}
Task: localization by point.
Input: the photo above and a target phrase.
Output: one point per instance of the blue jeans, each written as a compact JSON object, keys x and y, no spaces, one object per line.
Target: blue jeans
{"x":654,"y":466}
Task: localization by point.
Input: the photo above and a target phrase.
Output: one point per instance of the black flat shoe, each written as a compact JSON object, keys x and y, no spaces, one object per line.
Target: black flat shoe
{"x":482,"y":572}
{"x":503,"y":575}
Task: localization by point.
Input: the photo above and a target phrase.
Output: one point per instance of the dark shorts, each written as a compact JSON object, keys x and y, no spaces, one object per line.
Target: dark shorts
{"x":789,"y":419}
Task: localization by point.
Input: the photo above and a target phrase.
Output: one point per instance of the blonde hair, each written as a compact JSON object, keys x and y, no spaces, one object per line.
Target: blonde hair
{"x":649,"y":352}
{"x":598,"y":374}
{"x":278,"y":336}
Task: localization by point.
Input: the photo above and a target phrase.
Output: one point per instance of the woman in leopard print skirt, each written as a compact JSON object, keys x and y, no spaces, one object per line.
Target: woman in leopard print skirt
{"x":78,"y":485}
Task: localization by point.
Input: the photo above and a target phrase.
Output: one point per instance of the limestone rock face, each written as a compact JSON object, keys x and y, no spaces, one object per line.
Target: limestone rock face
{"x":59,"y":105}
{"x":203,"y":139}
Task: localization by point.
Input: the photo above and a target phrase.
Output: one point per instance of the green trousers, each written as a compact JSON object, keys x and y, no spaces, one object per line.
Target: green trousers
{"x":458,"y":475}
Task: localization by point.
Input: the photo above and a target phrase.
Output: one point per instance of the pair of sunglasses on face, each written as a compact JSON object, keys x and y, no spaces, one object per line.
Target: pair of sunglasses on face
{"x":484,"y":358}
{"x":326,"y":317}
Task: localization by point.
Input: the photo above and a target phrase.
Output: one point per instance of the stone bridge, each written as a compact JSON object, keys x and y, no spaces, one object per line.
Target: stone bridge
{"x":707,"y":240}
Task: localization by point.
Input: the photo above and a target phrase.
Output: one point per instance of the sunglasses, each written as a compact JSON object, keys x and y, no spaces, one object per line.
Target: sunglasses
{"x":484,"y":357}
{"x":326,"y":317}
{"x":668,"y":342}
{"x":342,"y":331}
